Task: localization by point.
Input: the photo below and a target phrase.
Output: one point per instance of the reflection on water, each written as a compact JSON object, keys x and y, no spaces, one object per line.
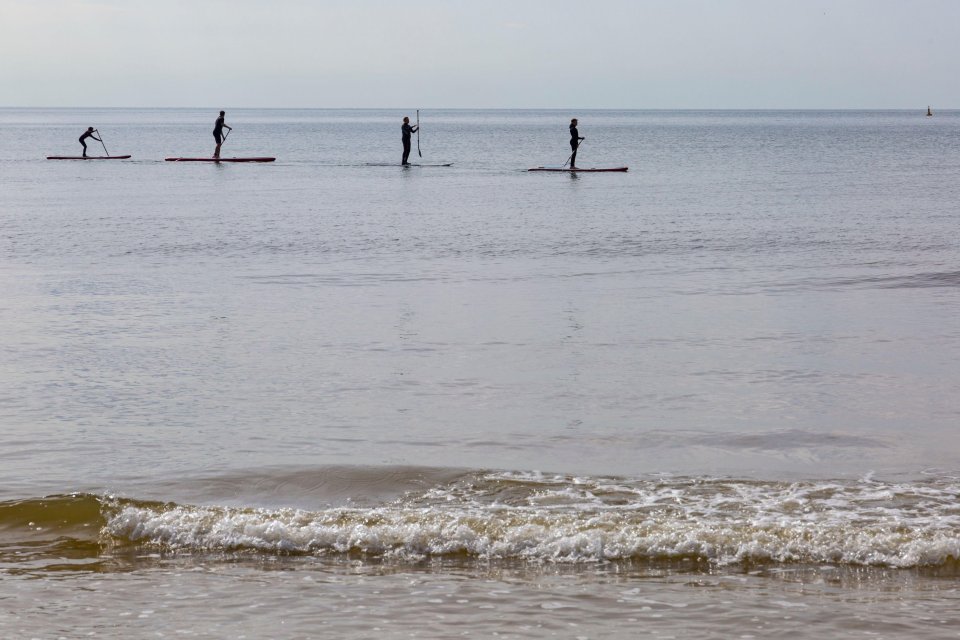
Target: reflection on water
{"x":252,"y":598}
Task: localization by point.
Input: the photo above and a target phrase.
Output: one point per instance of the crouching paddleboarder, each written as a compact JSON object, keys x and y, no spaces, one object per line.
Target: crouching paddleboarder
{"x":407,"y":131}
{"x":88,"y":134}
{"x":218,"y":128}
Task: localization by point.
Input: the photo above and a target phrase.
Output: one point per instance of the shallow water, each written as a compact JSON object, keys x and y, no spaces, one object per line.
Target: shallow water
{"x":714,"y":396}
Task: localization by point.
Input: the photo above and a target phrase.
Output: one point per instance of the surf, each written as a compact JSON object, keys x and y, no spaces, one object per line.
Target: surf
{"x":519,"y":517}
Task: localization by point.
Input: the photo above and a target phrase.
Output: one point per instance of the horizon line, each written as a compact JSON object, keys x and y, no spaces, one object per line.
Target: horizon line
{"x":391,"y":108}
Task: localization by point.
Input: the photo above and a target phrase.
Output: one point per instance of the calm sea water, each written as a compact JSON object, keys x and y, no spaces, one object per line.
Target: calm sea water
{"x":716,"y":396}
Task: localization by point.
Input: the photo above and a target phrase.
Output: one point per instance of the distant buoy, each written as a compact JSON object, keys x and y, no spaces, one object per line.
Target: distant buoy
{"x":929,"y":112}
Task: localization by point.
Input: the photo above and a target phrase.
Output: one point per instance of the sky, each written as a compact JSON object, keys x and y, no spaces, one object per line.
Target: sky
{"x":642,"y":54}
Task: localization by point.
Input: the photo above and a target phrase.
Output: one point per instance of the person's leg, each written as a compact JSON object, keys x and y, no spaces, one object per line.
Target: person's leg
{"x":84,"y":148}
{"x":573,"y":156}
{"x":216,"y":152}
{"x":406,"y":152}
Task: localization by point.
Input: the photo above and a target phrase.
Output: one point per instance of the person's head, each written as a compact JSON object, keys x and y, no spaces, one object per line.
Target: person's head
{"x":89,"y":128}
{"x":574,"y":122}
{"x":406,"y":120}
{"x":223,"y":113}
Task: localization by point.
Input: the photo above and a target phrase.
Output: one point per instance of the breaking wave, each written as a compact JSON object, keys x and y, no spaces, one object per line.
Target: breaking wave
{"x":544,"y":519}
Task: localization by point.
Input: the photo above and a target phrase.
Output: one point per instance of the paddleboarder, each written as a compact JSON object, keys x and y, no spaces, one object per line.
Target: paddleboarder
{"x":407,"y":131}
{"x":575,"y":139}
{"x":88,"y":134}
{"x":218,"y":128}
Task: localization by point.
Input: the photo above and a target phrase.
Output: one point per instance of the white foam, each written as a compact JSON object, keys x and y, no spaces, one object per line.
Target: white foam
{"x":557,"y":519}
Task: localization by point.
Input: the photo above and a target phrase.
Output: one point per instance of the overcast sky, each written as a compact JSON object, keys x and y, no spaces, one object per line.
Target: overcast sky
{"x":471,"y":53}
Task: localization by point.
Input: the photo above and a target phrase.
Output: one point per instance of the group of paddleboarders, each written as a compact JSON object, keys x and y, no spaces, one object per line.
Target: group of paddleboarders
{"x":406,"y":129}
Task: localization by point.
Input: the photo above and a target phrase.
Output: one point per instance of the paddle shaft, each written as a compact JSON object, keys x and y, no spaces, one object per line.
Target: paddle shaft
{"x":101,"y":142}
{"x":419,"y":153}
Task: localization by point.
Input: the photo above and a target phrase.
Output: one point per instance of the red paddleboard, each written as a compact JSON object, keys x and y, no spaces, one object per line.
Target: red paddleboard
{"x":220,"y":159}
{"x":578,"y":170}
{"x":87,"y":157}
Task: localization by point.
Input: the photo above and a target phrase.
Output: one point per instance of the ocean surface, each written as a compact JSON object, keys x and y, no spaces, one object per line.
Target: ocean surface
{"x":717,"y":396}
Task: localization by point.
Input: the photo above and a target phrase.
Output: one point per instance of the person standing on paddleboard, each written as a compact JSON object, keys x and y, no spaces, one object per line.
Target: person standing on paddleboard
{"x":407,"y":131}
{"x":218,"y":128}
{"x":88,"y":134}
{"x":574,"y":143}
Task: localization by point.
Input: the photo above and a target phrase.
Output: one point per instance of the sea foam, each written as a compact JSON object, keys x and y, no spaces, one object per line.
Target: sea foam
{"x":570,"y":520}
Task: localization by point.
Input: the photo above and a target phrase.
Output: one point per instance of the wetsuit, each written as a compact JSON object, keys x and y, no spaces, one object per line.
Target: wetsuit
{"x":407,"y":130}
{"x":87,"y":134}
{"x":218,"y":131}
{"x":574,"y":143}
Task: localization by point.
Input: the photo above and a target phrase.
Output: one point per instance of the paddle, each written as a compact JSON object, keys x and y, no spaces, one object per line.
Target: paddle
{"x":101,"y":142}
{"x":579,"y":142}
{"x":217,"y":153}
{"x":419,"y":153}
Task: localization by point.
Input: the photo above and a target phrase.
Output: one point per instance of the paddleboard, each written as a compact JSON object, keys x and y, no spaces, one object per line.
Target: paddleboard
{"x":579,"y":170}
{"x":410,"y":164}
{"x":219,"y":159}
{"x":87,"y":157}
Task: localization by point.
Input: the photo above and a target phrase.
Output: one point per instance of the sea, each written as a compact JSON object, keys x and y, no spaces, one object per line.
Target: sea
{"x":716,"y":396}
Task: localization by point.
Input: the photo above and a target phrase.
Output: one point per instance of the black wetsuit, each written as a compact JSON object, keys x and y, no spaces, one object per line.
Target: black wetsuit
{"x":218,"y":130}
{"x":407,"y":130}
{"x":86,"y":134}
{"x":574,"y":143}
